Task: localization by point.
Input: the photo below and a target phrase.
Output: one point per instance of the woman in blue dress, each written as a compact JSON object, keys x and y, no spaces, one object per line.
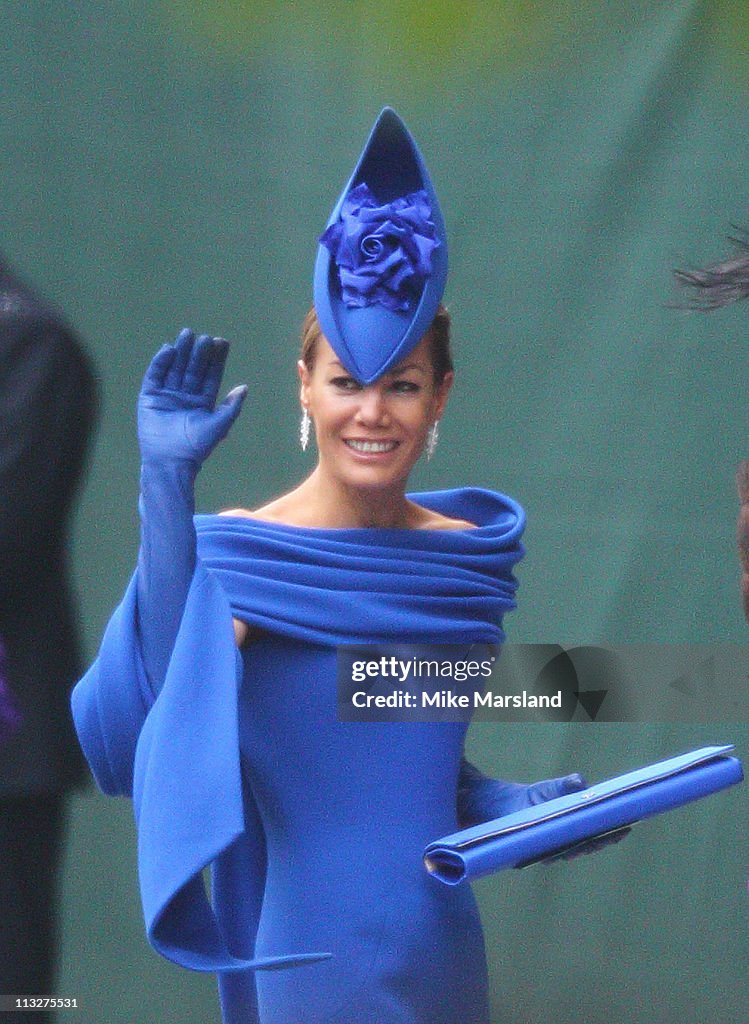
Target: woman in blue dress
{"x":213,"y":699}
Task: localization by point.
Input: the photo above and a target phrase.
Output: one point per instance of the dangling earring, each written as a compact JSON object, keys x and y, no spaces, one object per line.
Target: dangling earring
{"x":304,"y":429}
{"x":433,"y":436}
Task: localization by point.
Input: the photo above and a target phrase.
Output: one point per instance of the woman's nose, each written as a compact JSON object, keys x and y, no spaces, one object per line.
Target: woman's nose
{"x":372,"y":406}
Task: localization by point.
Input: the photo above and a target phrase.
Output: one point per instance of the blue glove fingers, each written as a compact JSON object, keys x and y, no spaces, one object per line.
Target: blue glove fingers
{"x":215,"y":368}
{"x":235,"y":398}
{"x":571,"y":784}
{"x":183,"y":347}
{"x":177,"y":414}
{"x":223,"y":417}
{"x":550,"y":789}
{"x":159,"y":367}
{"x":231,"y":406}
{"x":195,"y":371}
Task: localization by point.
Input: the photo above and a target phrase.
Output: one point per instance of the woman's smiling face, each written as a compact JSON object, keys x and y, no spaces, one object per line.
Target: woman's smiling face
{"x":370,"y":436}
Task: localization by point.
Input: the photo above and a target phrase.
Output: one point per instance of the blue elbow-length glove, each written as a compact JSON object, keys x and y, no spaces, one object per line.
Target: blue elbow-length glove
{"x":179,"y":425}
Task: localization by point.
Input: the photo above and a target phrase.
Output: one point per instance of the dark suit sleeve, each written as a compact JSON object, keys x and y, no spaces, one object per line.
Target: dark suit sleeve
{"x":47,"y":408}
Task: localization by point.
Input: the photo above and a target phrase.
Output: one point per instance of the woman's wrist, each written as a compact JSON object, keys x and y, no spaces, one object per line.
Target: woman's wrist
{"x":169,"y":466}
{"x":167,"y":483}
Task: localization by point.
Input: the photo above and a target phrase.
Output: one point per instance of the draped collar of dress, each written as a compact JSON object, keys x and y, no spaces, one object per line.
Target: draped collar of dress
{"x":179,"y":756}
{"x":366,"y":585}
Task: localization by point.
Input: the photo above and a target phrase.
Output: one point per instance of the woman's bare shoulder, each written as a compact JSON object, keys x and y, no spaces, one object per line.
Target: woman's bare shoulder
{"x":428,"y":519}
{"x":279,"y":510}
{"x":238,"y":513}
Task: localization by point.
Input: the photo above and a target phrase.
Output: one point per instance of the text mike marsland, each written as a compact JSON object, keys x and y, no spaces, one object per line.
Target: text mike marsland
{"x":448,"y":699}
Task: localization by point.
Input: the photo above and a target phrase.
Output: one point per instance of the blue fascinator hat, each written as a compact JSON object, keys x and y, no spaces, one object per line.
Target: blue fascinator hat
{"x":382,"y":260}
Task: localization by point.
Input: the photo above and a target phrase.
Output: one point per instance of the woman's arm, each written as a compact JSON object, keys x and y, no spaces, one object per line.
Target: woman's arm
{"x":179,"y":425}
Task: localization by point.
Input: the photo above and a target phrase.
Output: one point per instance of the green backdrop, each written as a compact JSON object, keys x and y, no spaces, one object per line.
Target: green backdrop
{"x":171,"y":163}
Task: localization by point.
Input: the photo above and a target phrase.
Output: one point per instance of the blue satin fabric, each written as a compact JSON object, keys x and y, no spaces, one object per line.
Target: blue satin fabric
{"x":241,"y":763}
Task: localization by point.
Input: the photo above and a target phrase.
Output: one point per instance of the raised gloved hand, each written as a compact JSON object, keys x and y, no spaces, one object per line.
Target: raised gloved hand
{"x":178,"y":419}
{"x":179,"y":425}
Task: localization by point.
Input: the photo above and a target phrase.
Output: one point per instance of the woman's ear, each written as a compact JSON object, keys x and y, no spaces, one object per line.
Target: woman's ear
{"x":303,"y":372}
{"x":441,"y":394}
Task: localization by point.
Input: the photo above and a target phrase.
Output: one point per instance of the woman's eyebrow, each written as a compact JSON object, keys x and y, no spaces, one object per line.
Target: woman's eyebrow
{"x":406,"y":369}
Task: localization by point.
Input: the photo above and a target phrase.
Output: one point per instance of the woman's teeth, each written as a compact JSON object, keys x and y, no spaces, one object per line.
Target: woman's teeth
{"x":372,"y":446}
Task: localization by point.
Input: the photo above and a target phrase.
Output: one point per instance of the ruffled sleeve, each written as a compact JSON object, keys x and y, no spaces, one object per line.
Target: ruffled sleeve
{"x":110,"y":703}
{"x":179,"y":758}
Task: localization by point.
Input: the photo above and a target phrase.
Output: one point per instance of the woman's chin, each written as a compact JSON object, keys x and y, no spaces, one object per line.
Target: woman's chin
{"x":372,"y":472}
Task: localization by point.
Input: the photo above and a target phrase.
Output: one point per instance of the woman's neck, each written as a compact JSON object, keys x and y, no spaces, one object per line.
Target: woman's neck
{"x":319,"y":501}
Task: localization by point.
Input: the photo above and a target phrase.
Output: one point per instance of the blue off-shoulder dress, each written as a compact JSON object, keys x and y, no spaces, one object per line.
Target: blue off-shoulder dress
{"x":314,"y":828}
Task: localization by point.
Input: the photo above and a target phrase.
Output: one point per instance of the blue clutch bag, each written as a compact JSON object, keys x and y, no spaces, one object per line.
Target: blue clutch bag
{"x":556,"y":827}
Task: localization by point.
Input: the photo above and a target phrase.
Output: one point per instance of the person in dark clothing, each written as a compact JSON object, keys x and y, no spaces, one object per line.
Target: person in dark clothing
{"x":48,"y":401}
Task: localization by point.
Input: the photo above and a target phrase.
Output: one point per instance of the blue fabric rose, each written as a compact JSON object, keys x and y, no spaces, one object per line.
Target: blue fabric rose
{"x":383,"y":253}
